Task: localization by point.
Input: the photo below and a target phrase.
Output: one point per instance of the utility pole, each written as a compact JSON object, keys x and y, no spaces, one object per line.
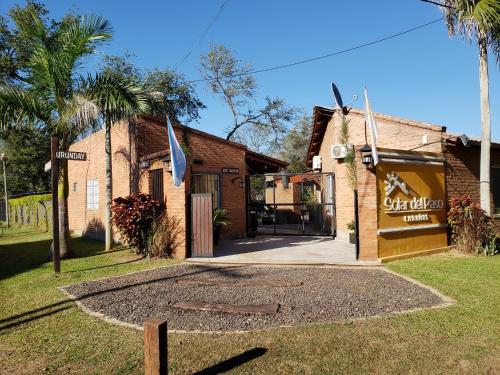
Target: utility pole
{"x":5,"y":190}
{"x":54,"y":147}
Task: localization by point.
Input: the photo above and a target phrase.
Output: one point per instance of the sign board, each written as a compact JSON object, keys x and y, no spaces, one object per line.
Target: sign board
{"x":411,"y":202}
{"x":71,"y":155}
{"x":228,"y":170}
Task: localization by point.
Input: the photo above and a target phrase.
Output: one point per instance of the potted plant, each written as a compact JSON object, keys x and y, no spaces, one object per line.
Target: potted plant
{"x":351,"y":227}
{"x":219,"y":219}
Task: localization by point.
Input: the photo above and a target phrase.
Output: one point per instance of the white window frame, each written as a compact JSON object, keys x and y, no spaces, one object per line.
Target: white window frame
{"x":92,"y":194}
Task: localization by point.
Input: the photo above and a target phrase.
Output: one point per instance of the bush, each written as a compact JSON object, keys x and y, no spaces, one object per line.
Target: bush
{"x":471,"y":228}
{"x":134,"y":217}
{"x":164,"y":236}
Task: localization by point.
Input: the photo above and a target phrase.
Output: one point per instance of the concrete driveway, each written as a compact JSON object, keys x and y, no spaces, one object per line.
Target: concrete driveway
{"x":285,"y":250}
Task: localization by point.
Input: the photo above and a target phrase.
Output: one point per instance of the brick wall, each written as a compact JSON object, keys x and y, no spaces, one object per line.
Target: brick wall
{"x":83,"y":220}
{"x":367,"y":211}
{"x":207,"y":155}
{"x":215,"y":155}
{"x":132,"y":141}
{"x":462,"y":172}
{"x":393,"y":133}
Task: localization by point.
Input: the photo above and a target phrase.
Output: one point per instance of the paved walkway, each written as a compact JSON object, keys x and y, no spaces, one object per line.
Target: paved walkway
{"x":285,"y":250}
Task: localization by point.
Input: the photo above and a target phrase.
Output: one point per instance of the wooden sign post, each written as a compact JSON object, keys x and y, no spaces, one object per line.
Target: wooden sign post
{"x":54,"y":148}
{"x":55,"y":156}
{"x":155,"y":347}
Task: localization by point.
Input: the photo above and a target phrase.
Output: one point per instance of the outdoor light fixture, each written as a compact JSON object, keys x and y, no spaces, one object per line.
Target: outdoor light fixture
{"x":366,"y":155}
{"x":167,"y":165}
{"x":242,"y":181}
{"x":286,"y":179}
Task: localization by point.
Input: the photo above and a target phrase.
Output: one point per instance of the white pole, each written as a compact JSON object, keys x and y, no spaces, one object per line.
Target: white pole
{"x":5,"y":192}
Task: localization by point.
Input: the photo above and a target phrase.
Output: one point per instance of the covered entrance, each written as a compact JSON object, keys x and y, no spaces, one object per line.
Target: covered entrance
{"x":291,"y":204}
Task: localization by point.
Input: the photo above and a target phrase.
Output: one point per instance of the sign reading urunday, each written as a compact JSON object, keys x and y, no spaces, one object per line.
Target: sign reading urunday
{"x":71,"y":155}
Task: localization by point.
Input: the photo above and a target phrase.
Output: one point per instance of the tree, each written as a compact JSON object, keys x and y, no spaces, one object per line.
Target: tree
{"x":116,"y":98}
{"x":127,"y":92}
{"x":232,"y":79}
{"x":177,"y":97}
{"x":15,"y":48}
{"x":52,"y":97}
{"x":296,"y":144}
{"x":25,"y":156}
{"x":479,"y":20}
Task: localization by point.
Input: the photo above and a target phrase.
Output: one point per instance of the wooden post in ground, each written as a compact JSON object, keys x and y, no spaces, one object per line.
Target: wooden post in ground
{"x":155,"y":347}
{"x":54,"y":147}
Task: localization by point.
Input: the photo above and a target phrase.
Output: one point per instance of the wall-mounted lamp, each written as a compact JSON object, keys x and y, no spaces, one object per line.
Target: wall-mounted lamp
{"x":285,"y":179}
{"x":242,"y":181}
{"x":366,"y":155}
{"x":167,"y":165}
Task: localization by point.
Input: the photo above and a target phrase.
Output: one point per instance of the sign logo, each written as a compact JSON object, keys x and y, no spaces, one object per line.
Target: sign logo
{"x":416,"y":208}
{"x":394,"y":181}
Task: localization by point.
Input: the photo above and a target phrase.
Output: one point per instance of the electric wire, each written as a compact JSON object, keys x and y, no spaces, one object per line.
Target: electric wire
{"x":205,"y":32}
{"x":300,"y":62}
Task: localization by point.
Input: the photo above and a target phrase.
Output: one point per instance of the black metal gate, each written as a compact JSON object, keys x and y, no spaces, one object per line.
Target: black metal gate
{"x":296,"y":204}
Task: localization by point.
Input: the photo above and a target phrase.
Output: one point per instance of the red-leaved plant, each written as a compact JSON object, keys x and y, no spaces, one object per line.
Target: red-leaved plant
{"x":471,"y":228}
{"x":134,"y":216}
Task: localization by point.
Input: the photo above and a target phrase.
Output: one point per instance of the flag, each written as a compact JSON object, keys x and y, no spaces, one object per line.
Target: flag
{"x":177,"y":157}
{"x":370,"y":120}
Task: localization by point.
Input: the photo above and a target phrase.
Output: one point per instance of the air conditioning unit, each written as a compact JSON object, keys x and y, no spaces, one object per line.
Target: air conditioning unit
{"x":340,"y":151}
{"x":317,"y":163}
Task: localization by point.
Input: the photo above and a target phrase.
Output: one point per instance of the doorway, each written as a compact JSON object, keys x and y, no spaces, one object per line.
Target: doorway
{"x":291,"y":204}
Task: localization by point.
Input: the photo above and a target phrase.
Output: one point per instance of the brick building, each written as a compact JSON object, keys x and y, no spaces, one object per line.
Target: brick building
{"x":416,"y":150}
{"x":422,"y":158}
{"x":141,"y":163}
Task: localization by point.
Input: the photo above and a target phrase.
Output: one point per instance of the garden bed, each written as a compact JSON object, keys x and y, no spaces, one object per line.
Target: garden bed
{"x":304,"y":294}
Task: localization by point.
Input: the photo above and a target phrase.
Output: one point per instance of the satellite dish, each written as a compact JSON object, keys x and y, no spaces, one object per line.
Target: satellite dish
{"x":338,"y":98}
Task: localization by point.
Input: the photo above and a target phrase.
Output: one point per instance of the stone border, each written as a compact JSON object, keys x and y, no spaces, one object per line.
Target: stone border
{"x":446,"y":302}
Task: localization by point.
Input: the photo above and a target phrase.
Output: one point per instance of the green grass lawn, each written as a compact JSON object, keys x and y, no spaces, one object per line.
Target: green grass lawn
{"x":40,"y":331}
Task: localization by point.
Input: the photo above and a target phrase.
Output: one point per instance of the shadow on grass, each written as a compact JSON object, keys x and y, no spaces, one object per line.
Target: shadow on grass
{"x":233,"y":362}
{"x":105,"y":266}
{"x":19,"y":319}
{"x":19,"y":255}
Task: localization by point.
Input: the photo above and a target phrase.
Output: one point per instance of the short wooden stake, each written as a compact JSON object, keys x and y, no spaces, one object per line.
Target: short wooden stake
{"x":155,"y":347}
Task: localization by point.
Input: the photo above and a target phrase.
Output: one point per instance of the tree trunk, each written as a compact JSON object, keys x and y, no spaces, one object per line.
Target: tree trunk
{"x":109,"y":191}
{"x":63,"y":190}
{"x":484,"y":180}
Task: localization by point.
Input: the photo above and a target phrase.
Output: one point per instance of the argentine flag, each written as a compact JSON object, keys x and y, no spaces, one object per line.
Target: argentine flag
{"x":177,"y":157}
{"x":372,"y":124}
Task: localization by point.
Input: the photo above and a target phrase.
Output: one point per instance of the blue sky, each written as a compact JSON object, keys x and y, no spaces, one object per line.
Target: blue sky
{"x":423,"y":75}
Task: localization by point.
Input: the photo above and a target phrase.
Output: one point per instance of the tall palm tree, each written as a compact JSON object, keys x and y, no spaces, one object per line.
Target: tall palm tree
{"x":116,"y":98}
{"x":479,"y":20}
{"x":54,"y":98}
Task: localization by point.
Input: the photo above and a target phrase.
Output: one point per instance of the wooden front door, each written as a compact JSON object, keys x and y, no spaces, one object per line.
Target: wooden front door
{"x":202,"y":244}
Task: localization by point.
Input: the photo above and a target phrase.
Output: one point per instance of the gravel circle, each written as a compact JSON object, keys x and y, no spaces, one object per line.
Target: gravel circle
{"x":327,"y":294}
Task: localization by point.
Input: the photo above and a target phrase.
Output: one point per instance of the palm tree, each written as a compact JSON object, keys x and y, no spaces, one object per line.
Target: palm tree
{"x":479,"y":20}
{"x":116,"y":98}
{"x":53,"y":97}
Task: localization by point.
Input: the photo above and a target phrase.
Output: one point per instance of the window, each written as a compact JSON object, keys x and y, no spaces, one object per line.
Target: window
{"x":329,"y":194}
{"x":92,"y":194}
{"x":270,"y":184}
{"x":156,"y":185}
{"x":75,"y":186}
{"x":495,"y":188}
{"x":207,"y":183}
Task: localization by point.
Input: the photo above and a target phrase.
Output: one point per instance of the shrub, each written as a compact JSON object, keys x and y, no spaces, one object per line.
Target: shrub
{"x":134,"y":217}
{"x":164,"y":235}
{"x":471,"y":228}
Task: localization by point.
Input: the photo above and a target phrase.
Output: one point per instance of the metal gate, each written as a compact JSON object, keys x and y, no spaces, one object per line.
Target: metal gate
{"x":202,"y":244}
{"x":299,"y":204}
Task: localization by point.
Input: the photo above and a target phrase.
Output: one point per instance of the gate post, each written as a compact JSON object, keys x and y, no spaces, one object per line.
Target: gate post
{"x":155,"y":347}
